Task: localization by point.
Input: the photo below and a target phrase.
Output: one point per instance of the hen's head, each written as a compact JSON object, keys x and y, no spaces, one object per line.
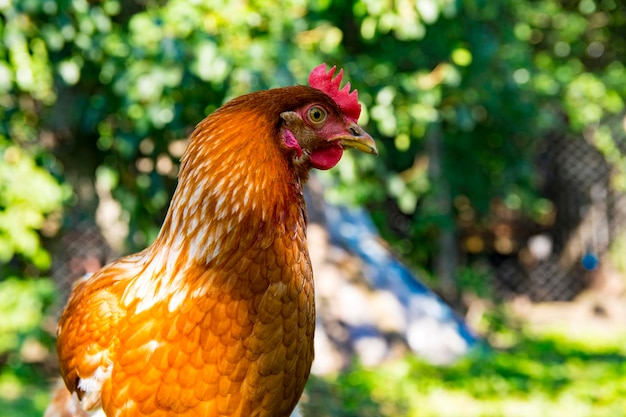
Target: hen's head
{"x":299,"y":127}
{"x":317,"y":130}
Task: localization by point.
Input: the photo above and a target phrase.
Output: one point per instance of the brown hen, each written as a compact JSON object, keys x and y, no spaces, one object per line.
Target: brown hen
{"x":216,"y":317}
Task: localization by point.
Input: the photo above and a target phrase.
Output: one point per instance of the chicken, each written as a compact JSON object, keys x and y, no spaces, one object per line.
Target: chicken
{"x":216,"y":317}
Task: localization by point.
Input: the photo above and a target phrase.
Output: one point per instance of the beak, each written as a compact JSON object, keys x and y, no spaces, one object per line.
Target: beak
{"x":358,"y":139}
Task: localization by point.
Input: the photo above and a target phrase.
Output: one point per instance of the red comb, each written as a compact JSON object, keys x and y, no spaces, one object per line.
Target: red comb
{"x":347,"y":101}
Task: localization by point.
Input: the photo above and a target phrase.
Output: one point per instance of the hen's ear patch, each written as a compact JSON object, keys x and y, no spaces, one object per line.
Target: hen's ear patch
{"x":348,"y":101}
{"x":290,"y":141}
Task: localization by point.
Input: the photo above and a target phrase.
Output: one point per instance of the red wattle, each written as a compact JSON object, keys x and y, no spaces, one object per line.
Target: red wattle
{"x":326,"y":158}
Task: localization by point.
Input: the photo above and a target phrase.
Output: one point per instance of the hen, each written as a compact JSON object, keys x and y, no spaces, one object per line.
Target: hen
{"x":216,"y":317}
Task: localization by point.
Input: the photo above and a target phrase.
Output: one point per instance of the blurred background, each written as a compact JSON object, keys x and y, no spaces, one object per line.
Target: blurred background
{"x":501,"y":182}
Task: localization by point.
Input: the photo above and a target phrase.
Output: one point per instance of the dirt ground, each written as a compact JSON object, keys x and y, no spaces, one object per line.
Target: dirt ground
{"x":599,"y":311}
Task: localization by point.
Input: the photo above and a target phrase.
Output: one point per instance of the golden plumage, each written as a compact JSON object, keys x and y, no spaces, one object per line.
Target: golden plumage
{"x":216,"y":317}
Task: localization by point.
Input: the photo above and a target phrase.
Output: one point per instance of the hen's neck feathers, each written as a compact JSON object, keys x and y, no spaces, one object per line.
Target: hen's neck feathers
{"x":237,"y":185}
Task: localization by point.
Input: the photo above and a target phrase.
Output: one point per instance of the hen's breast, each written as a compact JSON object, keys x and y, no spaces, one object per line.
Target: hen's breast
{"x":240,"y":344}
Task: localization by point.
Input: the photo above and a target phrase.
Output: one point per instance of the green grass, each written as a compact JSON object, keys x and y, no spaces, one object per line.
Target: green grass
{"x":547,"y":375}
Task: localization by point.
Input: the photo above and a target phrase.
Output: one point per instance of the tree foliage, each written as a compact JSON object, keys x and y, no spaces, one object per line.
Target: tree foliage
{"x":124,"y":82}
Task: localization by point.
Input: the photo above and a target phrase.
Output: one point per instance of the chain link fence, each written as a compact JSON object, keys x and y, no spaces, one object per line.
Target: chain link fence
{"x":589,"y":215}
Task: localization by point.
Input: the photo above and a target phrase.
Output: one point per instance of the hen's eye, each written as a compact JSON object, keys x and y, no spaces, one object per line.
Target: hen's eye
{"x":317,"y":114}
